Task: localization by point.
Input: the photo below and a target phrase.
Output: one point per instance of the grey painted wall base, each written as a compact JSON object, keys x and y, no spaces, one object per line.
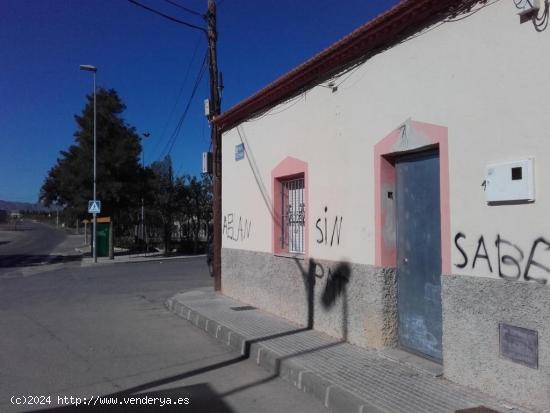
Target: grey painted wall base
{"x":473,"y":308}
{"x":350,"y":301}
{"x":358,"y":303}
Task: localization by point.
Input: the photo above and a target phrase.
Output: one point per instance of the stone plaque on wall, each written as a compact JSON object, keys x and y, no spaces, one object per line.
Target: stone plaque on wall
{"x":519,"y":345}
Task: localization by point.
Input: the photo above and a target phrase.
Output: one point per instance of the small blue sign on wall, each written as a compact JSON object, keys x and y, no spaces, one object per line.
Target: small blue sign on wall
{"x":239,"y":151}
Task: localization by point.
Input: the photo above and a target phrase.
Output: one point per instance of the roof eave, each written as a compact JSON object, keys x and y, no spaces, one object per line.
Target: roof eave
{"x":372,"y":36}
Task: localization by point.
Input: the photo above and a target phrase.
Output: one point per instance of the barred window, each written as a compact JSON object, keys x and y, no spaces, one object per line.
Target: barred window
{"x":293,"y":215}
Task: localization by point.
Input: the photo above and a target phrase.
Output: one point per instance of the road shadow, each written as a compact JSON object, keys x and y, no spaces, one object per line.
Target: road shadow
{"x":32,"y":260}
{"x":16,"y":228}
{"x":201,"y":396}
{"x":276,"y":369}
{"x":196,"y":398}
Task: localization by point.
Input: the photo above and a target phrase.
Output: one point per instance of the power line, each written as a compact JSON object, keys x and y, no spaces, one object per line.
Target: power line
{"x":202,"y":29}
{"x":209,"y":149}
{"x":196,"y":13}
{"x":184,"y":115}
{"x":170,"y":144}
{"x":158,"y":142}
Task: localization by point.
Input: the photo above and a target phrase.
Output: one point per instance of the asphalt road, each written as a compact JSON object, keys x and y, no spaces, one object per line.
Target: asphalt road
{"x":104,"y":331}
{"x":30,"y":244}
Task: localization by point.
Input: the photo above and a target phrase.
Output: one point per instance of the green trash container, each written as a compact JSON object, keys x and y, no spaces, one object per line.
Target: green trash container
{"x":103,"y":239}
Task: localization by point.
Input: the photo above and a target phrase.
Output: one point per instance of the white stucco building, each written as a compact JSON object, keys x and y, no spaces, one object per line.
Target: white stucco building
{"x":394,"y":191}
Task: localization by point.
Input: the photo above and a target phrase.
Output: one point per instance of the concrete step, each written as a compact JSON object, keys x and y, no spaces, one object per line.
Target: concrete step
{"x":344,"y":377}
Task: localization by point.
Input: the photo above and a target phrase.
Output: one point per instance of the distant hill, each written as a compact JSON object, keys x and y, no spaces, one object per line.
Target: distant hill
{"x":25,"y":206}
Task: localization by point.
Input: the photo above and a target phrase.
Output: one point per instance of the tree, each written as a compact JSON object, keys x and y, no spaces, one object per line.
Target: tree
{"x":194,"y":207}
{"x":161,"y":184}
{"x":70,"y":181}
{"x":200,"y":202}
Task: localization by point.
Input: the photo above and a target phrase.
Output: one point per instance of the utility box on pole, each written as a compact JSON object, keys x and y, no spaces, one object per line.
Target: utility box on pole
{"x":207,"y":163}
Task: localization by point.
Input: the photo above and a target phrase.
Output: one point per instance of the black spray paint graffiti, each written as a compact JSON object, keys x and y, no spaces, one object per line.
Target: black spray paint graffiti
{"x":324,"y":230}
{"x":234,"y":231}
{"x":509,"y":258}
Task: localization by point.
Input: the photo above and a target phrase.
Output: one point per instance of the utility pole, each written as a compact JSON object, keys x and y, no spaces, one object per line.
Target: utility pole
{"x":215,"y":107}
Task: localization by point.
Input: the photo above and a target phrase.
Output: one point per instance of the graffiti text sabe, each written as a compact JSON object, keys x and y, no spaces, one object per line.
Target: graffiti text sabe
{"x":509,"y":258}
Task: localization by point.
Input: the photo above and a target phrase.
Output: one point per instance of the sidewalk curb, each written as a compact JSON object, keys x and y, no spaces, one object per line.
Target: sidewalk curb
{"x":88,"y":262}
{"x":333,"y":397}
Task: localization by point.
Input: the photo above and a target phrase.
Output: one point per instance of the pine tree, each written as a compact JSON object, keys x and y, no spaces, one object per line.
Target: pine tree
{"x":69,"y":182}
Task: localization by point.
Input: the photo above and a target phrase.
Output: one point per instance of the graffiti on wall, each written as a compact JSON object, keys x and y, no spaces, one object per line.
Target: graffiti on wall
{"x":329,"y":232}
{"x":337,"y":277}
{"x":506,"y":259}
{"x":236,"y":228}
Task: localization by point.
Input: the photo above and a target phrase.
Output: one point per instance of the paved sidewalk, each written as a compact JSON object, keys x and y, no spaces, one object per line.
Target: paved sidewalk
{"x":71,"y":246}
{"x":346,"y":378}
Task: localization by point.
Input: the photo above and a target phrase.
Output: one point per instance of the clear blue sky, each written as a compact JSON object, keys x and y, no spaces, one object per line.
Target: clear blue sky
{"x":145,"y":58}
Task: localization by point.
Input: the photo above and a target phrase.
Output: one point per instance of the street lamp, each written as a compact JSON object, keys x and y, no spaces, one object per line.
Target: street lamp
{"x":93,"y":69}
{"x":145,"y":135}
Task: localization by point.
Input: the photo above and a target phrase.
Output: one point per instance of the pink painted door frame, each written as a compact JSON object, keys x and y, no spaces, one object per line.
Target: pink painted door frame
{"x":411,"y":136}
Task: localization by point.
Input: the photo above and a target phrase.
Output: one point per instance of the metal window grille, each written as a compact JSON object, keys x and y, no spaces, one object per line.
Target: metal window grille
{"x":293,"y":215}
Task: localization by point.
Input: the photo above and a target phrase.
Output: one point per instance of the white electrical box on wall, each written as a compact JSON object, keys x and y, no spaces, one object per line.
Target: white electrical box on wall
{"x":510,"y":181}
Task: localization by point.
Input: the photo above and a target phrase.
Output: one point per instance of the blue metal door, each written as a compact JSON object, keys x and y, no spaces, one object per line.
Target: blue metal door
{"x":419,"y":253}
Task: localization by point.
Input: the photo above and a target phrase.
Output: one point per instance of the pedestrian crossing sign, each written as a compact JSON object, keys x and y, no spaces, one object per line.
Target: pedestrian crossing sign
{"x":94,"y":207}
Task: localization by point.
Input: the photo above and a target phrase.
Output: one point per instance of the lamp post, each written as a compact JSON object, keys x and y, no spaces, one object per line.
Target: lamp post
{"x":93,"y":69}
{"x":145,"y":136}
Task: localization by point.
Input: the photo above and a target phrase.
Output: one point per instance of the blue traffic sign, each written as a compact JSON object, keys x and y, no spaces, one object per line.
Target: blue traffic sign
{"x":94,"y":207}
